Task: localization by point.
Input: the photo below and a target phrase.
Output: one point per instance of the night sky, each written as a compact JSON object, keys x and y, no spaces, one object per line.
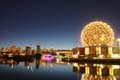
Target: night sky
{"x":53,"y":23}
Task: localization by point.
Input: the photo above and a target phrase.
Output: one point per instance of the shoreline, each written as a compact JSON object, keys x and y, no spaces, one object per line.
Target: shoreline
{"x":97,"y":60}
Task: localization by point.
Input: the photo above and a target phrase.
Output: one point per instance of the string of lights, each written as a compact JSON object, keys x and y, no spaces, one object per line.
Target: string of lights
{"x":97,"y":33}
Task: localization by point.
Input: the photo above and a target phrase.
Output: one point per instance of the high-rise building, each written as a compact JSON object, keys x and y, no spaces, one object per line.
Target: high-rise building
{"x":38,"y":49}
{"x":28,"y":50}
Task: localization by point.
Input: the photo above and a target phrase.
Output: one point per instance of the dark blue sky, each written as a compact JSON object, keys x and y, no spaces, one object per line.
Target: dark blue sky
{"x":53,"y":23}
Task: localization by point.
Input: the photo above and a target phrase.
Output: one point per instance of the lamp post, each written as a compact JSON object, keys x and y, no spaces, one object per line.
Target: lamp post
{"x":118,"y":45}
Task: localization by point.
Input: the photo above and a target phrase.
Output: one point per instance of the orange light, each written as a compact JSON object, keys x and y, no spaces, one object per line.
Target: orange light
{"x":97,"y":32}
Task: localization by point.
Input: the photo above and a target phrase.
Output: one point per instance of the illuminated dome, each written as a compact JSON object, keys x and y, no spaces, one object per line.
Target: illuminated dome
{"x":97,"y":33}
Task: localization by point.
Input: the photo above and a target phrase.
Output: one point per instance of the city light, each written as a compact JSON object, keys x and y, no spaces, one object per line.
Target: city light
{"x":96,"y":33}
{"x":47,"y":57}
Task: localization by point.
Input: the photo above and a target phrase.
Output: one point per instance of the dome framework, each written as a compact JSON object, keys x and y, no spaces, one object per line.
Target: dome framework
{"x":97,"y":33}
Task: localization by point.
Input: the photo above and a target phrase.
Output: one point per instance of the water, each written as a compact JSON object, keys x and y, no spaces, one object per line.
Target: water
{"x":57,"y":70}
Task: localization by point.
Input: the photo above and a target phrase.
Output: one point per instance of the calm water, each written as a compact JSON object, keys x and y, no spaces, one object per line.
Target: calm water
{"x":56,"y":70}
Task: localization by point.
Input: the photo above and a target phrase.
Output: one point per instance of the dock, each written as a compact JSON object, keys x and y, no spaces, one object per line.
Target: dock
{"x":94,"y":60}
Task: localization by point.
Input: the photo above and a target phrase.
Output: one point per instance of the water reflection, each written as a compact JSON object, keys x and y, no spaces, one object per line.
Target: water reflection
{"x":73,"y":71}
{"x":36,"y":62}
{"x":10,"y":62}
{"x":97,"y":71}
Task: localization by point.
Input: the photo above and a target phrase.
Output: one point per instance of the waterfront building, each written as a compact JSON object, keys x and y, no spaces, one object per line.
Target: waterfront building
{"x":4,"y":50}
{"x":38,"y":51}
{"x":45,"y":50}
{"x":18,"y":50}
{"x":28,"y":50}
{"x":93,"y":51}
{"x":13,"y":49}
{"x":97,"y":39}
{"x":115,"y":50}
{"x":67,"y":53}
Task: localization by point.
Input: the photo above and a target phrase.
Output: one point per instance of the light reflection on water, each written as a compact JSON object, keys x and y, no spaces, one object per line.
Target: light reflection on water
{"x":56,"y":70}
{"x":97,"y":71}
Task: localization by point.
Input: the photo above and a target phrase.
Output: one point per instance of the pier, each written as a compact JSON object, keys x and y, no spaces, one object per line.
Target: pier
{"x":94,"y":60}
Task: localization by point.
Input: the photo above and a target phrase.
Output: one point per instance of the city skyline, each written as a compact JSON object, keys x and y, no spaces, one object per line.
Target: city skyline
{"x":52,"y":24}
